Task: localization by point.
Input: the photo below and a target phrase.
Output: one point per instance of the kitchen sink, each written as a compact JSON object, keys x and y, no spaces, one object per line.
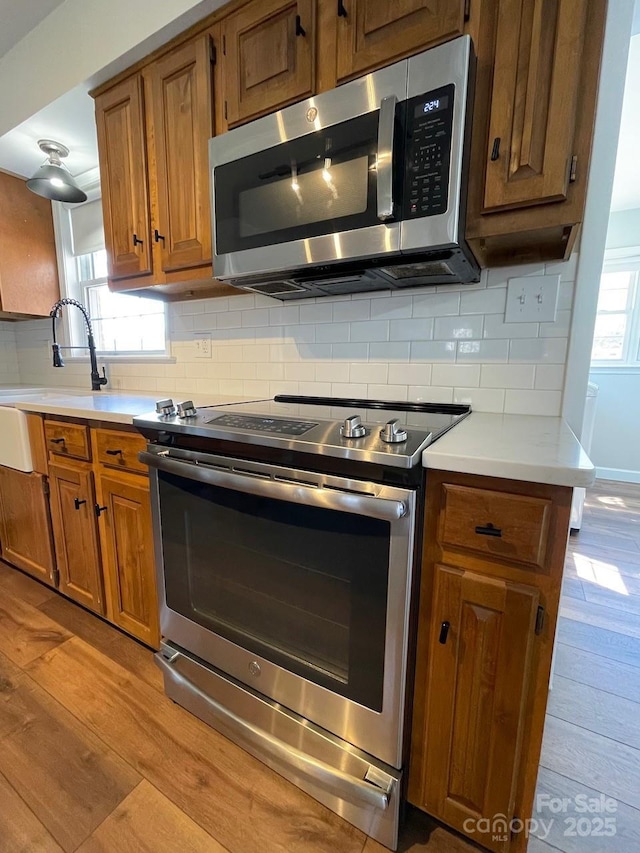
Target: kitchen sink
{"x":15,"y":451}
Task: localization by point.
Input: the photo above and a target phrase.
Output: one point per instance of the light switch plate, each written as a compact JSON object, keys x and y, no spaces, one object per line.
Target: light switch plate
{"x":532,"y":299}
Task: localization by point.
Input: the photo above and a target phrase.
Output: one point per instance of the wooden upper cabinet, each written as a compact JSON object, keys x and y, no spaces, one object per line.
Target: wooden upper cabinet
{"x":470,"y":714}
{"x":73,"y":511}
{"x":182,"y":99}
{"x":373,"y":33}
{"x":269,"y":57}
{"x":532,"y":121}
{"x":123,"y":170}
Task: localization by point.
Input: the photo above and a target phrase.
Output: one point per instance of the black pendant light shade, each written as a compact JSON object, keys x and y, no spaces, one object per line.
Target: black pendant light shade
{"x":53,"y":180}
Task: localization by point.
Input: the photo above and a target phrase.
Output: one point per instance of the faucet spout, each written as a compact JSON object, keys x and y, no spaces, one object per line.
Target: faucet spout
{"x":97,"y":381}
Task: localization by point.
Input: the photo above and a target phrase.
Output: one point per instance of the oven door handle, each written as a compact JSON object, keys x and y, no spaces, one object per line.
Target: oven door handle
{"x":384,"y":164}
{"x":264,"y":487}
{"x":261,"y":743}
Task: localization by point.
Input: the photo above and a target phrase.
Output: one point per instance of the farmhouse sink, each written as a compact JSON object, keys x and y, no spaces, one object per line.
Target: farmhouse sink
{"x":15,"y":451}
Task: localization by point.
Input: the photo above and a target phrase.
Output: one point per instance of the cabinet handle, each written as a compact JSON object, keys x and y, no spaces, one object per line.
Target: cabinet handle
{"x":114,"y":452}
{"x":342,"y":12}
{"x":78,"y":503}
{"x":444,"y":633}
{"x":488,"y":530}
{"x":495,"y":151}
{"x":136,"y":241}
{"x":300,"y":30}
{"x":57,"y":440}
{"x":157,"y":236}
{"x":100,"y":509}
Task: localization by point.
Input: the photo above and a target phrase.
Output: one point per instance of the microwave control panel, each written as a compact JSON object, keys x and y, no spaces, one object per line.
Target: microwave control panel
{"x":428,"y":153}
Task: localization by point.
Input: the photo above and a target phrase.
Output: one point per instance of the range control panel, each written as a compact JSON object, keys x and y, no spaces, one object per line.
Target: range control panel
{"x":279,"y":426}
{"x":429,"y":123}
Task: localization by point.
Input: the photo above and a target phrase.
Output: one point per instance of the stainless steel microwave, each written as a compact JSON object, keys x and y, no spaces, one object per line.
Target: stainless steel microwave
{"x":360,"y":188}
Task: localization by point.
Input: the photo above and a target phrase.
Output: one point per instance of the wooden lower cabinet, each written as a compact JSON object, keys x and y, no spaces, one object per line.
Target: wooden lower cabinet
{"x":491,"y":573}
{"x":73,"y":511}
{"x":128,"y":558}
{"x":25,"y":526}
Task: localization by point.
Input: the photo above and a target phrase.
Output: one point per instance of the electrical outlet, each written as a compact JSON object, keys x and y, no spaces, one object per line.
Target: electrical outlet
{"x":532,"y":299}
{"x":203,"y":345}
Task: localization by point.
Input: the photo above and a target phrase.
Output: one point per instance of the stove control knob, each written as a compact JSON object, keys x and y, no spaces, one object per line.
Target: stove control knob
{"x":393,"y":433}
{"x":165,"y":408}
{"x":352,"y":427}
{"x":186,"y":410}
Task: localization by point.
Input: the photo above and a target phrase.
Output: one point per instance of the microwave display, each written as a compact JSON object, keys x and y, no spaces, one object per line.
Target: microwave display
{"x":431,"y":106}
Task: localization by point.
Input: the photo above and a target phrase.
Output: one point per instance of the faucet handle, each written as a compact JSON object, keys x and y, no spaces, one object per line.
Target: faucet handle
{"x":103,"y":379}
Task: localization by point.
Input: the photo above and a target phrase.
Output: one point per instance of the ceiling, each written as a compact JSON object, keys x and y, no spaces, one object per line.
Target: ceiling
{"x":18,"y":17}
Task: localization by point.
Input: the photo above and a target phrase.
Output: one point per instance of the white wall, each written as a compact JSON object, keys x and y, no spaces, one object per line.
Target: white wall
{"x":615,"y":450}
{"x":9,"y":373}
{"x":447,"y":344}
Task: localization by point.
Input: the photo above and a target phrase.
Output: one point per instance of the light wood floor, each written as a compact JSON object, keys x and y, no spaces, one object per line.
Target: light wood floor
{"x":94,"y":757}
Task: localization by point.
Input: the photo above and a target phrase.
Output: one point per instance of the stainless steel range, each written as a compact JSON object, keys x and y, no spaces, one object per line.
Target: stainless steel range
{"x":286,"y":539}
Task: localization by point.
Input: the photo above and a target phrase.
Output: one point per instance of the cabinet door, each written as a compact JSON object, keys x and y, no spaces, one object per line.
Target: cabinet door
{"x":373,"y":33}
{"x":123,"y":171}
{"x":269,"y":57}
{"x":182,"y":126}
{"x":537,"y":79}
{"x":73,"y":510}
{"x":25,"y":528}
{"x":127,"y":539}
{"x":472,"y":707}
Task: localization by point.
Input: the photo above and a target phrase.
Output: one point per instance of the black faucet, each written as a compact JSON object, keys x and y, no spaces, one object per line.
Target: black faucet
{"x":97,"y":381}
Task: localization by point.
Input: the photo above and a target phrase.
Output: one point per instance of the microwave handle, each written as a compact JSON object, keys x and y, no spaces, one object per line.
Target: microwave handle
{"x":386,"y":127}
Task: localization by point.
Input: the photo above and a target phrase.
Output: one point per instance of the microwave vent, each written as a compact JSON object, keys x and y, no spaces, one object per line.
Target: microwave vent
{"x":425,"y":269}
{"x":274,"y":288}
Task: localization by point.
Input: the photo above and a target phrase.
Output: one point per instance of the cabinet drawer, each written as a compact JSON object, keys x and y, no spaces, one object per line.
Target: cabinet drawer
{"x":499,"y":524}
{"x":119,"y":449}
{"x":68,"y":439}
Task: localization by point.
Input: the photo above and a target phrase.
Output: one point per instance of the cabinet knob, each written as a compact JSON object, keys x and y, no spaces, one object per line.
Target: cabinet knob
{"x":57,"y":440}
{"x":114,"y":452}
{"x":488,"y":530}
{"x":300,"y":30}
{"x":137,"y":241}
{"x":342,"y":12}
{"x":100,"y":509}
{"x":157,"y":236}
{"x":78,"y":503}
{"x":444,"y":633}
{"x":495,"y":151}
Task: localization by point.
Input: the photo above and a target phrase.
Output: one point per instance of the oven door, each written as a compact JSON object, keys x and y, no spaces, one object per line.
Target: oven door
{"x":296,"y":584}
{"x":316,"y":183}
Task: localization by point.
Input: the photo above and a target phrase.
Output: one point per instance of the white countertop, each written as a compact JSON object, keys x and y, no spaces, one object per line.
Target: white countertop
{"x":112,"y":406}
{"x":518,"y":447}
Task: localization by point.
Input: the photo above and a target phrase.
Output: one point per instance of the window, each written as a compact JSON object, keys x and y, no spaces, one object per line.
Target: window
{"x":616,"y":341}
{"x":123,"y":325}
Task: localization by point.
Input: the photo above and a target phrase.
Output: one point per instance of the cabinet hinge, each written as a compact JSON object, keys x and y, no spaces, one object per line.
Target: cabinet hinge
{"x":467,"y":9}
{"x":225,"y":110}
{"x":46,"y":489}
{"x":55,"y":577}
{"x":212,"y":53}
{"x":540,"y":620}
{"x":573,"y":168}
{"x":224,"y":45}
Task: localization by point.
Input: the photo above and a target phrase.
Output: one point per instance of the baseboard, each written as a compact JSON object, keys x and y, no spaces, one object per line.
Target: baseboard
{"x":620,"y":474}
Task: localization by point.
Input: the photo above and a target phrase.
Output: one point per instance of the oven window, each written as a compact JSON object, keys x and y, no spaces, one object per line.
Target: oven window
{"x":303,"y":587}
{"x":321,"y":183}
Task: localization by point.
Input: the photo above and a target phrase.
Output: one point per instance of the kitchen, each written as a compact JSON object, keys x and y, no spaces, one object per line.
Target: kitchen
{"x":410,"y":356}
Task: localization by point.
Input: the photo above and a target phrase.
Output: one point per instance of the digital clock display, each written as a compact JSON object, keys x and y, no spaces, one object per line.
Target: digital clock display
{"x":432,"y":106}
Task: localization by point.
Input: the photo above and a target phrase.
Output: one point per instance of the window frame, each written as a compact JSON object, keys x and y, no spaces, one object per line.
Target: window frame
{"x":71,"y":324}
{"x":624,"y":260}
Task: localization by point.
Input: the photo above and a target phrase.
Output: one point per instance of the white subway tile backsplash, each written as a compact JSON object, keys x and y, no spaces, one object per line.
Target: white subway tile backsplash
{"x":421,"y":344}
{"x":456,"y":374}
{"x":483,"y":351}
{"x":533,"y":402}
{"x":539,"y":350}
{"x":457,"y":328}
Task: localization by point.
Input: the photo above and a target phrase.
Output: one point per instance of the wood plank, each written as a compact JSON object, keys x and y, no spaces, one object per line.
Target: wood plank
{"x":20,"y":829}
{"x":27,"y":589}
{"x":612,"y":716}
{"x":242,"y":803}
{"x":598,"y":671}
{"x":591,"y":759}
{"x":108,"y":639}
{"x":599,"y":616}
{"x":572,"y":588}
{"x":616,"y":576}
{"x":596,"y":594}
{"x":66,"y":775}
{"x":25,"y":632}
{"x":147,"y":822}
{"x":609,"y":644}
{"x":558,"y":834}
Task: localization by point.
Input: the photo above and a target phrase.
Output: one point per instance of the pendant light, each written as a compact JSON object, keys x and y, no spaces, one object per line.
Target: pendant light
{"x":53,"y":180}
